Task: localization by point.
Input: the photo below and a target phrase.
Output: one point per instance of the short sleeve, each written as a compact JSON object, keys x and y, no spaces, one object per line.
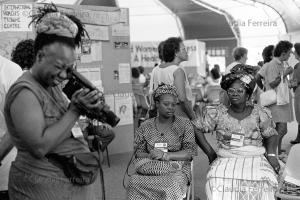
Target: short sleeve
{"x":12,"y":73}
{"x":139,"y":141}
{"x":266,"y":124}
{"x":271,"y":73}
{"x":262,"y":70}
{"x":189,"y":143}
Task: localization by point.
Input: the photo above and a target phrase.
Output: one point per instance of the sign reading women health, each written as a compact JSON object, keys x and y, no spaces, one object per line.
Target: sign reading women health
{"x":16,"y":17}
{"x":146,"y":54}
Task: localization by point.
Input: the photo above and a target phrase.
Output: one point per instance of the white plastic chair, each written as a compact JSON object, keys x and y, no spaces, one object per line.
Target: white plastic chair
{"x":291,"y":172}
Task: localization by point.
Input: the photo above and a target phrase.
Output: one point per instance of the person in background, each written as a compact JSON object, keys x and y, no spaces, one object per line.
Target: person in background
{"x":138,"y":91}
{"x":272,"y":73}
{"x":9,"y":73}
{"x":142,"y":77}
{"x":245,"y":133}
{"x":267,"y":55}
{"x":39,"y":119}
{"x":212,"y":89}
{"x":152,"y":110}
{"x":240,"y":55}
{"x":214,"y":76}
{"x":23,"y":54}
{"x":296,"y":78}
{"x":164,"y":146}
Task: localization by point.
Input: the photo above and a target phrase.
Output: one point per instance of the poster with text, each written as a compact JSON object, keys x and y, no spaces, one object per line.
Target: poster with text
{"x":124,"y":73}
{"x":16,"y":17}
{"x":123,"y":109}
{"x":93,"y":74}
{"x":97,"y":32}
{"x":110,"y":101}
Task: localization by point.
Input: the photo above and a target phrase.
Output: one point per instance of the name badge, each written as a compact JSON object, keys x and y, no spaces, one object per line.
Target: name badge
{"x":76,"y":131}
{"x":163,"y":146}
{"x":237,"y":139}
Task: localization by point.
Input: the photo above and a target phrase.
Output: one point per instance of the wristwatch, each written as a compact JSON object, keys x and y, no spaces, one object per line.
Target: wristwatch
{"x":271,"y":155}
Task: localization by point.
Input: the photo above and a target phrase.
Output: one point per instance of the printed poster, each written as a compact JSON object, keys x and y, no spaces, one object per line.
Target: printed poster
{"x":97,"y":32}
{"x":124,"y":73}
{"x":16,"y":17}
{"x":91,"y":51}
{"x":120,"y":30}
{"x":110,"y":101}
{"x":93,"y":74}
{"x":123,"y":109}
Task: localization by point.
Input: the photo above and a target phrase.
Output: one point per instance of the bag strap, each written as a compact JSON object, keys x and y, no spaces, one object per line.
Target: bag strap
{"x":127,"y":168}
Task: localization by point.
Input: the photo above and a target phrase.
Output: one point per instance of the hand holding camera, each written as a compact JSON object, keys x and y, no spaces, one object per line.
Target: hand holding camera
{"x":88,"y":99}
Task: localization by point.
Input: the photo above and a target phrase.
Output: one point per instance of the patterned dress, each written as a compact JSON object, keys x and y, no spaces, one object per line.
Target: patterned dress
{"x":240,"y":172}
{"x":172,"y":185}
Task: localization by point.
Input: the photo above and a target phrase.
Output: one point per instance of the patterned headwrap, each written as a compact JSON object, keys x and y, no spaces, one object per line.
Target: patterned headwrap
{"x":244,"y":73}
{"x":164,"y":89}
{"x":58,"y":24}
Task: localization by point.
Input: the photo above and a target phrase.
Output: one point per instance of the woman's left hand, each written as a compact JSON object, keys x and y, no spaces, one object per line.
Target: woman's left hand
{"x":274,"y":163}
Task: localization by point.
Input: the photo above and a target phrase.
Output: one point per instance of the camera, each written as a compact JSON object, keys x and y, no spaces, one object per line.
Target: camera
{"x":103,"y":113}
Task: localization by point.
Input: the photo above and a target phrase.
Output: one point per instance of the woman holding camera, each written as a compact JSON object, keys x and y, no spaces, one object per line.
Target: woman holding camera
{"x":40,"y":120}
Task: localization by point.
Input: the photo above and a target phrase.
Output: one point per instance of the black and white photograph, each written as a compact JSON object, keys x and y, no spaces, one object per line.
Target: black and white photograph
{"x":149,"y":99}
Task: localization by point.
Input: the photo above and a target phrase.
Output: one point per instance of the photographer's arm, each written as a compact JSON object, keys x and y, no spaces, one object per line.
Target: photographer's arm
{"x":28,"y":117}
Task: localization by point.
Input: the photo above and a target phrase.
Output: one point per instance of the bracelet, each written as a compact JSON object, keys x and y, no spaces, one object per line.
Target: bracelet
{"x":272,"y":154}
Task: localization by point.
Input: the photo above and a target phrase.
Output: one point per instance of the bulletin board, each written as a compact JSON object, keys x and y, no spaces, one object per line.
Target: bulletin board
{"x":104,"y":58}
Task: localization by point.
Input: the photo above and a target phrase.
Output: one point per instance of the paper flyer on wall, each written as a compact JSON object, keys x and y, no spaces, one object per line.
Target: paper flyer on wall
{"x":123,"y":109}
{"x":93,"y":74}
{"x":110,"y":101}
{"x":124,"y":15}
{"x":91,"y":51}
{"x":120,"y":30}
{"x":86,"y":52}
{"x":97,"y":51}
{"x":124,"y":73}
{"x":97,"y":32}
{"x":16,"y":17}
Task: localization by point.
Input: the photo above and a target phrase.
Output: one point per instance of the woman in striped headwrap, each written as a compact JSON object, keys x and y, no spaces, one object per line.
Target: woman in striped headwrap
{"x":164,"y":147}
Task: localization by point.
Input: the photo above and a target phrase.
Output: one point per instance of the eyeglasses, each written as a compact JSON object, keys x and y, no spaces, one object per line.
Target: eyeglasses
{"x":232,"y":91}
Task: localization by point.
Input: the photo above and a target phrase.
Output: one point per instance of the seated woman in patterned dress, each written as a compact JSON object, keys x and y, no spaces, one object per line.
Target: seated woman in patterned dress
{"x":164,"y":148}
{"x":245,"y":133}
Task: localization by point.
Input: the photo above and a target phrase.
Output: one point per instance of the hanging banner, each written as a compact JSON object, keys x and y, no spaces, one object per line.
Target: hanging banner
{"x":196,"y":55}
{"x":95,"y":17}
{"x":146,"y":54}
{"x":16,"y":17}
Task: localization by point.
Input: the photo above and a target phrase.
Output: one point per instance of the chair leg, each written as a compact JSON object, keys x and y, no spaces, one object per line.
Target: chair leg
{"x":108,"y":162}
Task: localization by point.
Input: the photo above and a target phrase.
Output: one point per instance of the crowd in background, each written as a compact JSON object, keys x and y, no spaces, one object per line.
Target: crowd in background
{"x":218,"y":100}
